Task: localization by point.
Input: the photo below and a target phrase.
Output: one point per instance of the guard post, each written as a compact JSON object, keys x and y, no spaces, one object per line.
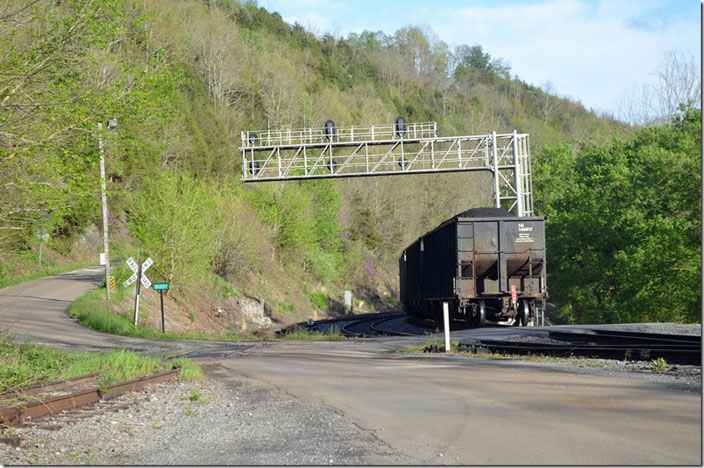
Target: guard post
{"x":446,"y":325}
{"x":161,"y":287}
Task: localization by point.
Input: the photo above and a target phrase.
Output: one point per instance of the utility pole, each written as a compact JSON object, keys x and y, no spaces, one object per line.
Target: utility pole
{"x":41,"y":242}
{"x":105,"y":211}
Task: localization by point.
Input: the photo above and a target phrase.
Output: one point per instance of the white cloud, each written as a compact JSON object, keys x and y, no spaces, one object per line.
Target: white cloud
{"x":592,"y":50}
{"x":591,"y":54}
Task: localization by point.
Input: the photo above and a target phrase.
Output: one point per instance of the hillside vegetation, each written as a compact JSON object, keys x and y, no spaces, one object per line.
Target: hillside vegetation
{"x":183,"y":79}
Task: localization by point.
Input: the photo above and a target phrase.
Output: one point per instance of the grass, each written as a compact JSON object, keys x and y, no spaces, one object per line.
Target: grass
{"x":26,"y":363}
{"x":659,"y":364}
{"x":188,"y":370}
{"x":284,"y":307}
{"x":308,"y":335}
{"x":90,"y":310}
{"x":319,"y":300}
{"x":45,"y":271}
{"x":195,"y":395}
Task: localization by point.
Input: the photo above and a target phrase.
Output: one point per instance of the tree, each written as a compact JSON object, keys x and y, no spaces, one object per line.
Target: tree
{"x":49,"y":86}
{"x":679,"y":82}
{"x":173,"y":220}
{"x":474,"y":61}
{"x":623,"y":226}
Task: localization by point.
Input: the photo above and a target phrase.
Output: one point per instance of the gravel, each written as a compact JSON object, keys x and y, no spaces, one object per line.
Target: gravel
{"x":242,"y":422}
{"x":666,"y":328}
{"x":239,"y":421}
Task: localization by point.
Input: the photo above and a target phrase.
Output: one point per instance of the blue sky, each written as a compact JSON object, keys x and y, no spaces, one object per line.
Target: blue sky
{"x":594,"y":51}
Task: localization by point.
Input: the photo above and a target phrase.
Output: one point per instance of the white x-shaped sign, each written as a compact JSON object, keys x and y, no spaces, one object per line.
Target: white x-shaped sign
{"x":133,"y":266}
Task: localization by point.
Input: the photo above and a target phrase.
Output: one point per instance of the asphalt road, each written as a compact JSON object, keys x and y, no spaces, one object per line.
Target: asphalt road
{"x":434,"y":409}
{"x":473,"y":411}
{"x":36,"y":311}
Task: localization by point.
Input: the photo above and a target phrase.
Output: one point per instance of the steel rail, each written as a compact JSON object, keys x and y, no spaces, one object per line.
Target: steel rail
{"x":15,"y":416}
{"x":649,"y":336}
{"x":43,"y":387}
{"x":375,"y":327}
{"x":374,"y":319}
{"x":619,"y":337}
{"x":346,"y":329}
{"x":300,"y":325}
{"x":673,"y":354}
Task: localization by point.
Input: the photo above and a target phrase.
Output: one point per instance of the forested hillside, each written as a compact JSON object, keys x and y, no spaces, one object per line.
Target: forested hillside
{"x":183,"y":79}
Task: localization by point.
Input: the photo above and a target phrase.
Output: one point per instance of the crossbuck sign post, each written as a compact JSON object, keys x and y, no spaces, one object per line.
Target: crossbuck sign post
{"x":143,"y":280}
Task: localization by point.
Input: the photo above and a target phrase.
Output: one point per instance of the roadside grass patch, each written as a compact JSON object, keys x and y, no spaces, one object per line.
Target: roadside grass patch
{"x":23,"y":364}
{"x":309,"y":335}
{"x":90,"y":310}
{"x":188,"y":370}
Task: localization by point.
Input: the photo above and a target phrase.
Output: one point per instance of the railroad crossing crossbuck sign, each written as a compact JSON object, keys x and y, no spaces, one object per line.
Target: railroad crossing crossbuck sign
{"x":133,"y":265}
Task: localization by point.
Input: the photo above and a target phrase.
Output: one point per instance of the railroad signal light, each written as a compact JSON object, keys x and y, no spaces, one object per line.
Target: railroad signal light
{"x":254,"y":167}
{"x":402,"y":162}
{"x":400,"y":127}
{"x":330,"y":129}
{"x":253,"y":139}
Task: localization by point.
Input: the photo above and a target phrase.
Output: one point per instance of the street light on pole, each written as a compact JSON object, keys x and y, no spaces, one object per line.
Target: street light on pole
{"x":111,"y":124}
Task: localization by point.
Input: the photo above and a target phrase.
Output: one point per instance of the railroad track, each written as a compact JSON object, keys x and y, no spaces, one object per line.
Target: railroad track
{"x":601,"y":344}
{"x":368,"y":326}
{"x":40,"y":400}
{"x":353,"y":326}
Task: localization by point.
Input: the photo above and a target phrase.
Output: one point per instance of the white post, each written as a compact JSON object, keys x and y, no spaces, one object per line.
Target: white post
{"x":517,"y":176}
{"x":497,"y":194}
{"x":136,"y":305}
{"x":105,"y":211}
{"x":137,"y":291}
{"x":446,"y":323}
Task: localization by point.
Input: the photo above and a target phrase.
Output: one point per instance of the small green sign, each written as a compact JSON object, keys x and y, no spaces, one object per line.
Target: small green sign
{"x":160,"y":286}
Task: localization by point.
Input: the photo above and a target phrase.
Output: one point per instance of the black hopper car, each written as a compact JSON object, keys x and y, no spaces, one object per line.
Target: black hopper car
{"x":486,"y":263}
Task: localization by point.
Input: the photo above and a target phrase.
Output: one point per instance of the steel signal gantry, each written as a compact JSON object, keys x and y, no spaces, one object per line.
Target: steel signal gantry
{"x":400,"y":148}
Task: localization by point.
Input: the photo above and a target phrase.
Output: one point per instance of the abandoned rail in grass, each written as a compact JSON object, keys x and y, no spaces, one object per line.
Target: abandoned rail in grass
{"x":19,"y":413}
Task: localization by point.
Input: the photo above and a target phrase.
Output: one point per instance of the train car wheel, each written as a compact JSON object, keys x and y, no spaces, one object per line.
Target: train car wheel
{"x":480,"y":318}
{"x":523,"y":314}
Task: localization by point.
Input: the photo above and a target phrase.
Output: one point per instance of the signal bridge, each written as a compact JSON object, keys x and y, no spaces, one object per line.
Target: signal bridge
{"x":397,"y":149}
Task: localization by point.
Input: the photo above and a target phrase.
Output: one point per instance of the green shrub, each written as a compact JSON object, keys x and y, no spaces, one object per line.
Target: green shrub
{"x":284,"y":307}
{"x":659,"y":364}
{"x":319,"y":300}
{"x":323,"y":265}
{"x":173,"y":220}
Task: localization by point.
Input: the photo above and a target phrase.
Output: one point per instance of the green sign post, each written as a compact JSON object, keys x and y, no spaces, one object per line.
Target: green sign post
{"x":161,"y":287}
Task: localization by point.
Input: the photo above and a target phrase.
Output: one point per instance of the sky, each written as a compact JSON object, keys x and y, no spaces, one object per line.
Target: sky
{"x":592,"y":51}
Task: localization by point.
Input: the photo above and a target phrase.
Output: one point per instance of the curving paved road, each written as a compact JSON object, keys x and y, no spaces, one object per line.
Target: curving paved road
{"x":434,"y":409}
{"x":36,"y":311}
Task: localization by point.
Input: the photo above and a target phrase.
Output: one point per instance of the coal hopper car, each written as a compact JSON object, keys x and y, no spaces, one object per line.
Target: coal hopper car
{"x":486,"y":263}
